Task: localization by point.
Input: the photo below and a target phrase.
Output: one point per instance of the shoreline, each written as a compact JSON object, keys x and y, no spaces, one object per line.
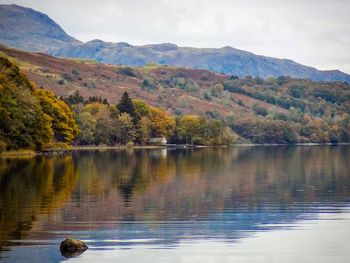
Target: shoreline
{"x":23,"y":153}
{"x":291,"y":144}
{"x":18,"y":154}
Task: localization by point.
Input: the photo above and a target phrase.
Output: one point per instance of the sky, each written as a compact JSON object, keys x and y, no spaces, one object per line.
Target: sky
{"x":312,"y":32}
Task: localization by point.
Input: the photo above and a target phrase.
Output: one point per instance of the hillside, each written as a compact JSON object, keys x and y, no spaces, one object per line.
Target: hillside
{"x":226,"y":60}
{"x":30,"y":30}
{"x":276,"y":110}
{"x":27,"y":29}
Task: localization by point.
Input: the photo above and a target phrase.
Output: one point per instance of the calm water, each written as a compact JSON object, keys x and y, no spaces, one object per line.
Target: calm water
{"x":259,"y":204}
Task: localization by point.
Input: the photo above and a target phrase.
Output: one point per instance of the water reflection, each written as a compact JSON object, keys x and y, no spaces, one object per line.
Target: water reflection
{"x":117,"y":198}
{"x":30,"y":188}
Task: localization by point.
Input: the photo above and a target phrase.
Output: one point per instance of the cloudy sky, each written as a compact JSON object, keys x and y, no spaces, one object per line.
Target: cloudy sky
{"x":311,"y":32}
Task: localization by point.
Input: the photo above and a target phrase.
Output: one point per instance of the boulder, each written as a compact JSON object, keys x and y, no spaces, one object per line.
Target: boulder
{"x":72,"y":247}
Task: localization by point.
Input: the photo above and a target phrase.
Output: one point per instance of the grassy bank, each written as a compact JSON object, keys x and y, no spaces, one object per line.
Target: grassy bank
{"x":30,"y":153}
{"x":18,"y":153}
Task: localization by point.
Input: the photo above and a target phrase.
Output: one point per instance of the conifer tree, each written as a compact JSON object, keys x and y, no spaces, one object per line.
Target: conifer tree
{"x":126,"y":105}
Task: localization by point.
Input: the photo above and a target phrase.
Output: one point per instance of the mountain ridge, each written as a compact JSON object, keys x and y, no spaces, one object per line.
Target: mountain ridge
{"x":227,"y":60}
{"x":53,"y":40}
{"x":30,"y":30}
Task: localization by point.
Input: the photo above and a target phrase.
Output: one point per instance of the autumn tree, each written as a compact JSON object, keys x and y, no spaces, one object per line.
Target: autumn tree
{"x":188,"y":127}
{"x":63,"y":124}
{"x":142,"y":109}
{"x":105,"y":126}
{"x":87,"y":127}
{"x":143,"y":129}
{"x":24,"y":124}
{"x":161,"y":123}
{"x":126,"y":131}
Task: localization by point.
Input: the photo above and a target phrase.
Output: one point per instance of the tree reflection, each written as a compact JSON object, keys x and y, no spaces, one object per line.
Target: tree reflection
{"x":157,"y":186}
{"x":31,"y":188}
{"x":153,"y":186}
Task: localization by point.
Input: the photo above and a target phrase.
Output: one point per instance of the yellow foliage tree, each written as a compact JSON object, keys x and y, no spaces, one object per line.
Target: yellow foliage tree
{"x":161,"y":123}
{"x":188,"y":127}
{"x":63,"y":124}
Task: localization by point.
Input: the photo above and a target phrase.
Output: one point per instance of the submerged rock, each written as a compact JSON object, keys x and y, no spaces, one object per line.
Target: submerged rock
{"x":72,"y":247}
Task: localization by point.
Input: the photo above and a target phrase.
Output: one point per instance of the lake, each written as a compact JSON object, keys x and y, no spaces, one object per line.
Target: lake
{"x":241,"y":204}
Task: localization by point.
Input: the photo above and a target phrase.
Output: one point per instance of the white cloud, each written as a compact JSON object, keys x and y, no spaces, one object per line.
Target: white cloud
{"x":312,"y":32}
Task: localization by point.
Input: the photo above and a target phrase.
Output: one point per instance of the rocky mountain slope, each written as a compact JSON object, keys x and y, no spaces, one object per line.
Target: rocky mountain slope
{"x":30,"y":30}
{"x":226,"y":60}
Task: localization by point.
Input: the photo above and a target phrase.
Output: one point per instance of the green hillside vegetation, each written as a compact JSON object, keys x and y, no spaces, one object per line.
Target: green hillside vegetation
{"x":30,"y":118}
{"x":279,"y":110}
{"x":310,"y":111}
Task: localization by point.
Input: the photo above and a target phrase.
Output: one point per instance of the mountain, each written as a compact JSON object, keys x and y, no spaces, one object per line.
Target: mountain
{"x":225,"y":60}
{"x":30,"y":30}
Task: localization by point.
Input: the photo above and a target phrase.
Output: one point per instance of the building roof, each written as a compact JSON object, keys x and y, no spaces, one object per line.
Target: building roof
{"x":160,"y":139}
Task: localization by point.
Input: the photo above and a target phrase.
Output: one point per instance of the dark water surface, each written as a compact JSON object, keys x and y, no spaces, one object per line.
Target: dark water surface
{"x":244,"y":204}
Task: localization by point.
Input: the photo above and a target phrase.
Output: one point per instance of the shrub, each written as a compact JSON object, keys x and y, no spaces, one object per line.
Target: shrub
{"x":240,"y":102}
{"x":258,"y":110}
{"x":129,"y":145}
{"x":149,"y":84}
{"x":61,"y":82}
{"x":75,"y":72}
{"x":67,"y":76}
{"x":126,"y":72}
{"x":206,"y":96}
{"x":3,"y":146}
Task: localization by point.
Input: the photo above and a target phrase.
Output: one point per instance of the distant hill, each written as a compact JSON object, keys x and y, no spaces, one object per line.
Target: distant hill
{"x":226,"y":60}
{"x":30,"y":30}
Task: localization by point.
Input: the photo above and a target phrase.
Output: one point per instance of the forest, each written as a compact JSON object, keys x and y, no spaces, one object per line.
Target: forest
{"x":31,"y":118}
{"x":280,"y":110}
{"x":34,"y":118}
{"x":208,"y":109}
{"x":308,"y":112}
{"x":133,"y":121}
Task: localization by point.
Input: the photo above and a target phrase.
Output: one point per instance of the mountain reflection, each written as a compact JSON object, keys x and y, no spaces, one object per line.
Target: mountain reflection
{"x":162,"y":192}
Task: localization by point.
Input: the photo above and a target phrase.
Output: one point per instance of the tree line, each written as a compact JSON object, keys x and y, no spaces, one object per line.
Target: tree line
{"x":286,"y":111}
{"x":34,"y":118}
{"x":135,"y":122}
{"x":312,"y":112}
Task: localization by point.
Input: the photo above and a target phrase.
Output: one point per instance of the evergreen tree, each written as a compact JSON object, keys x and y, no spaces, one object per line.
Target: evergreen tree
{"x":126,"y":105}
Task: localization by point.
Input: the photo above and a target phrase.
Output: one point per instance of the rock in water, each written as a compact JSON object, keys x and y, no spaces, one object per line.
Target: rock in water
{"x":72,"y":247}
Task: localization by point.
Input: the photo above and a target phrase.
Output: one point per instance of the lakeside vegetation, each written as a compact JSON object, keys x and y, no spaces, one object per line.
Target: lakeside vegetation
{"x":36,"y":119}
{"x":273,"y":110}
{"x":310,"y":112}
{"x":31,"y":118}
{"x":135,"y":122}
{"x":276,"y":110}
